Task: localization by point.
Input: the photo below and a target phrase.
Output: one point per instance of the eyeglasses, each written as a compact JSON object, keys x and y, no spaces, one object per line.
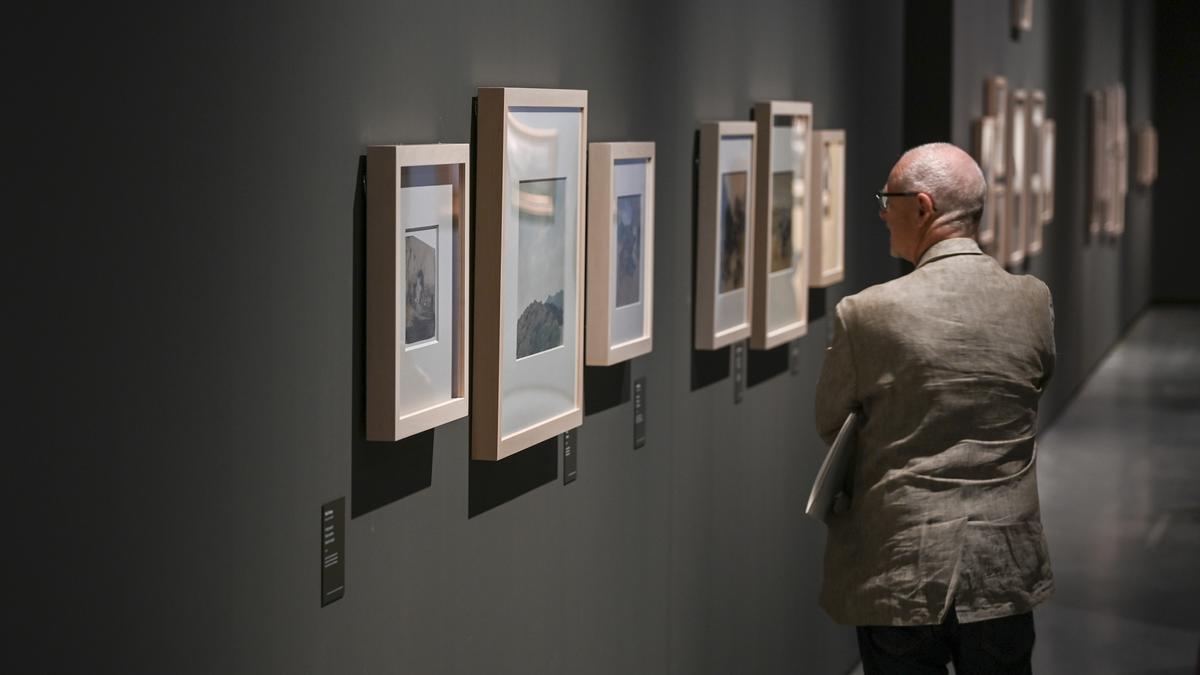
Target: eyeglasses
{"x":882,"y":197}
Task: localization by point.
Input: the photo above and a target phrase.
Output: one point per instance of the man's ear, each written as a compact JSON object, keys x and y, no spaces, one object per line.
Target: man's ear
{"x":924,"y":204}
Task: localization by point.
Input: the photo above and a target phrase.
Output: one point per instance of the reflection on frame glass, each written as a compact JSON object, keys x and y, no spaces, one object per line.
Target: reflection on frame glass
{"x":782,"y":203}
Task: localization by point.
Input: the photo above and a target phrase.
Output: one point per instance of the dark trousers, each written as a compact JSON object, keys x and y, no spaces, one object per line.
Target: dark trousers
{"x":997,"y":646}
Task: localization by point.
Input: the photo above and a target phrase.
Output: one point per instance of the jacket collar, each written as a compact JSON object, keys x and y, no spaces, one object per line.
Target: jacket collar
{"x":949,"y":247}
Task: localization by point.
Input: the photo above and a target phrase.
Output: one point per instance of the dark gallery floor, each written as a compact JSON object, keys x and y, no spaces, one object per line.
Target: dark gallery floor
{"x":1119,"y":478}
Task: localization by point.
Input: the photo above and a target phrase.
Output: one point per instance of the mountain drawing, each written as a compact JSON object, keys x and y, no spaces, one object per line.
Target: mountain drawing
{"x":540,"y":326}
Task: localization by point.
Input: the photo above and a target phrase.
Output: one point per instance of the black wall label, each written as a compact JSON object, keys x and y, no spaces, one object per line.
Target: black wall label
{"x":794,"y":357}
{"x":739,"y":371}
{"x":333,"y":550}
{"x":570,"y":468}
{"x":639,"y":412}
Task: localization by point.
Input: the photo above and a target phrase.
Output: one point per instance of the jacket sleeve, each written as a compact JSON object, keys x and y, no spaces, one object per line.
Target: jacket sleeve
{"x":836,"y":394}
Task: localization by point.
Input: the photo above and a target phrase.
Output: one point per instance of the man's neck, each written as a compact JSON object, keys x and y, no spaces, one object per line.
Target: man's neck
{"x":933,"y":235}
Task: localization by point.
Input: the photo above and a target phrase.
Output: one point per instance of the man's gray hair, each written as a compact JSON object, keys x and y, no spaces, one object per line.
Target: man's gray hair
{"x":951,"y":177}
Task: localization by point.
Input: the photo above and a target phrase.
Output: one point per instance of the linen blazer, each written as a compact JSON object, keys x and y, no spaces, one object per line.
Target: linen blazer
{"x":947,"y":363}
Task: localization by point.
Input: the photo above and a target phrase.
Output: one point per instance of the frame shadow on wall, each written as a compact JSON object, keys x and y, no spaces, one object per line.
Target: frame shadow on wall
{"x":764,"y":364}
{"x":708,"y":367}
{"x":380,"y":472}
{"x":605,"y":387}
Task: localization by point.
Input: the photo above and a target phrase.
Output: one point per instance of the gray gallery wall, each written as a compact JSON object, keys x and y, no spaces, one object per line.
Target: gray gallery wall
{"x":1176,"y":66}
{"x":187,"y":271}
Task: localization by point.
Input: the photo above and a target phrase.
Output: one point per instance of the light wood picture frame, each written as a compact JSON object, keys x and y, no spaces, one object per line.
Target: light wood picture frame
{"x":1022,"y":16}
{"x":527,"y":350}
{"x":827,"y":209}
{"x":983,"y":147}
{"x":1017,"y":227}
{"x":418,"y":306}
{"x":1036,"y":187}
{"x":781,"y":193}
{"x":1147,"y":155}
{"x":620,"y":252}
{"x":995,"y":105}
{"x":725,"y":230}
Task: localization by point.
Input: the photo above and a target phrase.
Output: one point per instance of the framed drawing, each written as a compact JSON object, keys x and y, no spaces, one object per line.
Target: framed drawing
{"x":1147,"y":155}
{"x":1118,"y":139}
{"x":780,"y":298}
{"x":1022,"y":16}
{"x":995,"y":105}
{"x":827,"y":208}
{"x":1035,"y":183}
{"x":620,"y":252}
{"x":983,"y":140}
{"x":1017,"y":227}
{"x":527,"y":352}
{"x":725,"y":229}
{"x":1098,"y":182}
{"x":417,"y":300}
{"x":997,"y":200}
{"x":1046,"y":158}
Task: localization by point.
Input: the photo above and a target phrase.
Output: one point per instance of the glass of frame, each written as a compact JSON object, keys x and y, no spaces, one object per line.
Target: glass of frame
{"x":725,"y":229}
{"x":780,"y":298}
{"x":1017,"y":227}
{"x":527,"y":380}
{"x":620,"y":250}
{"x":417,"y":303}
{"x":984,"y":141}
{"x":827,"y":208}
{"x":1033,"y":161}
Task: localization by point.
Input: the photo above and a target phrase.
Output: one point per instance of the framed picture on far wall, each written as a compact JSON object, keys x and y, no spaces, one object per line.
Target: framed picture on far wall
{"x":827,"y":208}
{"x":995,"y":105}
{"x":1035,"y":182}
{"x":780,"y":299}
{"x":417,"y":300}
{"x":1147,"y":155}
{"x":620,"y":252}
{"x":984,"y":145}
{"x":1017,"y":227}
{"x":725,"y":230}
{"x":1046,"y":158}
{"x":527,"y":348}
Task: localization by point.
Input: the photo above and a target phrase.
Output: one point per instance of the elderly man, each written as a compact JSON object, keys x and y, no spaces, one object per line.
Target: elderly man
{"x":940,"y":555}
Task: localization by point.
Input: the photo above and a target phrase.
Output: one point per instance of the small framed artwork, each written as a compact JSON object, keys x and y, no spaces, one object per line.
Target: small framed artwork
{"x":1022,"y":16}
{"x":1098,"y":162}
{"x":725,"y":229}
{"x":620,"y":252}
{"x":780,"y":312}
{"x":997,"y":200}
{"x":1035,"y":184}
{"x":1118,"y":138}
{"x":984,"y":141}
{"x":1046,"y":158}
{"x":1017,"y":228}
{"x":417,"y":281}
{"x":527,"y":351}
{"x":827,"y":208}
{"x":995,"y":105}
{"x":1147,"y":155}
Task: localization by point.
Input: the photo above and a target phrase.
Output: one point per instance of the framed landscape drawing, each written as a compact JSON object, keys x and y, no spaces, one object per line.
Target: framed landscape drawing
{"x":1098,"y":162}
{"x":417,"y":300}
{"x":1118,"y":140}
{"x":725,"y":228}
{"x":995,"y":105}
{"x":827,"y":208}
{"x":527,"y":351}
{"x":780,"y":298}
{"x":1017,"y":227}
{"x":620,"y":252}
